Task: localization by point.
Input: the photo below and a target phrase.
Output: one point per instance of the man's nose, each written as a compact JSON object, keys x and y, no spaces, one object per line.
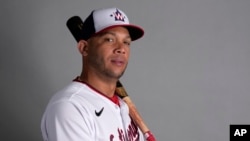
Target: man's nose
{"x":120,"y":49}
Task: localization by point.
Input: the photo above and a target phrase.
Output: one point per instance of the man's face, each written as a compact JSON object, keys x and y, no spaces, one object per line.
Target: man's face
{"x":108,"y":52}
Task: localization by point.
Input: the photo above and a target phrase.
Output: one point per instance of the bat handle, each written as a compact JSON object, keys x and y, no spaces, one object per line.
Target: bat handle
{"x":133,"y":112}
{"x":136,"y":117}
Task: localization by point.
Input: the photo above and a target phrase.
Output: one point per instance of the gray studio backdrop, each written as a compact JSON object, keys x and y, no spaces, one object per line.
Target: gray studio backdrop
{"x":189,"y":76}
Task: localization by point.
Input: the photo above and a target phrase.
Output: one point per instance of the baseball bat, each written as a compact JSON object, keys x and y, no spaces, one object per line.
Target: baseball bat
{"x":121,"y":92}
{"x":75,"y":25}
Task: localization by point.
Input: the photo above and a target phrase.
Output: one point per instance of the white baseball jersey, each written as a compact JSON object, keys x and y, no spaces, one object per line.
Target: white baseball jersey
{"x":81,"y":113}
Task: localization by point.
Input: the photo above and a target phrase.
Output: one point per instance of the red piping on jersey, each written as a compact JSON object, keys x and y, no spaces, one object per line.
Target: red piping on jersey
{"x":114,"y":99}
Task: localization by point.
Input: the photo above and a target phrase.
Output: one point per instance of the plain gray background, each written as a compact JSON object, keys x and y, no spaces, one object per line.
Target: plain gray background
{"x":189,"y":76}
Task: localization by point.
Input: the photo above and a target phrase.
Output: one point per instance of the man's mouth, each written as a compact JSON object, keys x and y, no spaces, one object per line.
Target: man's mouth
{"x":118,"y":61}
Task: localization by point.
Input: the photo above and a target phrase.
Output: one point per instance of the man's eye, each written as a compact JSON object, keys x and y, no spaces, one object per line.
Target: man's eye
{"x":109,"y":39}
{"x":127,"y":43}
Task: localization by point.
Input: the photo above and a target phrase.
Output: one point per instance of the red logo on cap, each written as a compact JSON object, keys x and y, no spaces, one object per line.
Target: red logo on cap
{"x":118,"y":16}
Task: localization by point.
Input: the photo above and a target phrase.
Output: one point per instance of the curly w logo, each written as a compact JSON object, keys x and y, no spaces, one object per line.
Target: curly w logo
{"x":118,"y":16}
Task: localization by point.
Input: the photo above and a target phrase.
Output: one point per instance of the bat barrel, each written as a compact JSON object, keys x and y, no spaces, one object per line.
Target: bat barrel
{"x":75,"y":26}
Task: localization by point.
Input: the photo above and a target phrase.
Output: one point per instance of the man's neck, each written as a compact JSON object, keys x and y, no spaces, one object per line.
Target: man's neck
{"x":106,"y":86}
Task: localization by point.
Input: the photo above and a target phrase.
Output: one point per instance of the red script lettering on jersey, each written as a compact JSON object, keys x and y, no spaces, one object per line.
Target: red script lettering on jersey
{"x":132,"y":131}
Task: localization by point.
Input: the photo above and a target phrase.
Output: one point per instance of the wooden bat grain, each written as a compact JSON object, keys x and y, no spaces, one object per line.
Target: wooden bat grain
{"x":133,"y":112}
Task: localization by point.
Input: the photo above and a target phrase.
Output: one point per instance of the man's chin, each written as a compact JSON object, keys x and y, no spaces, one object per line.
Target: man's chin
{"x":115,"y":75}
{"x":118,"y":75}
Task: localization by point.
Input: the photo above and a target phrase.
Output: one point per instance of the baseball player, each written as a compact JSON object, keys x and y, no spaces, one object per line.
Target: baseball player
{"x":88,"y":109}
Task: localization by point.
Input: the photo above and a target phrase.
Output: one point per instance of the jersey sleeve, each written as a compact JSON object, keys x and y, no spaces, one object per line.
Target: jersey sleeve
{"x":64,"y":121}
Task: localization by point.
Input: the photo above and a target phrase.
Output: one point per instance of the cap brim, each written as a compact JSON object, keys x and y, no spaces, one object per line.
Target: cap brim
{"x":135,"y":32}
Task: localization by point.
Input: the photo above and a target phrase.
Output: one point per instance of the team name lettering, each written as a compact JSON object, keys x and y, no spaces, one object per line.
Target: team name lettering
{"x":132,"y":133}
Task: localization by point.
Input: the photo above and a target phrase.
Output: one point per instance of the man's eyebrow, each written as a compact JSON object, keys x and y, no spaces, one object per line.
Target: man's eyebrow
{"x":106,"y":32}
{"x":111,"y":33}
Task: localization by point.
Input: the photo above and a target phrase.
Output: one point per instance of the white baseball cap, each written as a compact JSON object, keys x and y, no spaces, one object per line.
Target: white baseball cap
{"x":102,"y":19}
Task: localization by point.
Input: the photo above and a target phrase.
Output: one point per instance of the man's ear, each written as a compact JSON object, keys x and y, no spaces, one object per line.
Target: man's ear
{"x":82,"y":46}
